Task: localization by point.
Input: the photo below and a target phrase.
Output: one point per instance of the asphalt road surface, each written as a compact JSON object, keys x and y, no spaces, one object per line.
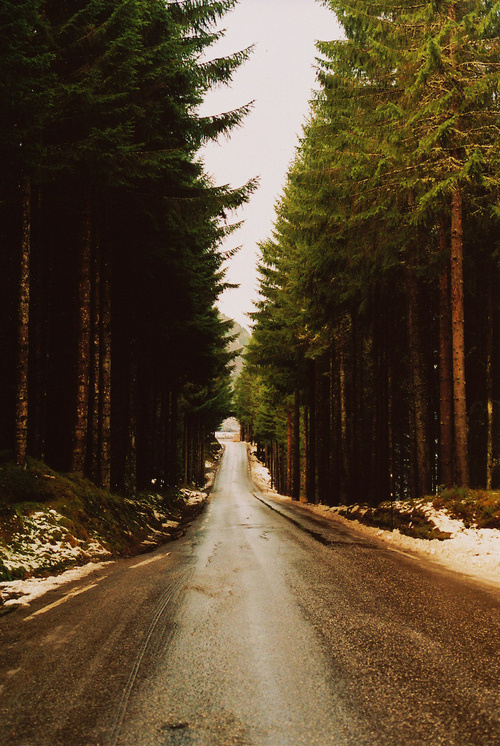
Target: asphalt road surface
{"x":262,"y":625}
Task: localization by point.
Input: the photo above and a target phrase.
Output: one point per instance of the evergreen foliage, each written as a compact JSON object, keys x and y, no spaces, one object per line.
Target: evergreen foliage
{"x":109,"y":233}
{"x":379,"y":284}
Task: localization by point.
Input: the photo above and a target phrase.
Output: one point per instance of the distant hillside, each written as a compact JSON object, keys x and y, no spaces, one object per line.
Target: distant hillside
{"x":239,"y":344}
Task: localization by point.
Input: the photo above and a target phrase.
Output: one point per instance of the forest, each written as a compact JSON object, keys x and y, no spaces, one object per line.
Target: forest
{"x":114,"y":357}
{"x":373,"y":371}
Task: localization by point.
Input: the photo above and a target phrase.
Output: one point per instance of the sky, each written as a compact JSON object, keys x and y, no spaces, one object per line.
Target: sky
{"x":279,"y":77}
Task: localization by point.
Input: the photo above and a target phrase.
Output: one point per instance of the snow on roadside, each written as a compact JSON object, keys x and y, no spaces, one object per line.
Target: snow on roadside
{"x":471,"y":551}
{"x":44,"y":537}
{"x":193,"y":497}
{"x":21,"y":592}
{"x":44,"y":540}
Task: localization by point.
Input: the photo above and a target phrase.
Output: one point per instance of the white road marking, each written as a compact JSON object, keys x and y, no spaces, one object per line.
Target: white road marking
{"x":146,"y":562}
{"x":63,"y":599}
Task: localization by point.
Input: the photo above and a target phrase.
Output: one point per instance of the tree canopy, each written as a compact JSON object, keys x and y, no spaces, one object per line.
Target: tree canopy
{"x":110,"y":233}
{"x":378,"y":286}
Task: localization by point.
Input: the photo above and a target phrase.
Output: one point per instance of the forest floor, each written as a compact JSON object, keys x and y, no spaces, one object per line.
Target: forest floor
{"x":55,"y":528}
{"x":458,"y":528}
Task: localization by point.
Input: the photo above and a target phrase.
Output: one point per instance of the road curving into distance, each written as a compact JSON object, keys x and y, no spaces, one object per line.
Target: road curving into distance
{"x":255,"y":628}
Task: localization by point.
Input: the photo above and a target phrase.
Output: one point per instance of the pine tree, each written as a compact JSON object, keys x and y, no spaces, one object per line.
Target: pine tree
{"x":125,"y":229}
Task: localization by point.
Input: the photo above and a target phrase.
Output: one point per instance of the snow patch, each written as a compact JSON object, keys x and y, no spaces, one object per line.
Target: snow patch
{"x":471,"y":551}
{"x":22,"y":592}
{"x":193,"y":497}
{"x":43,"y":538}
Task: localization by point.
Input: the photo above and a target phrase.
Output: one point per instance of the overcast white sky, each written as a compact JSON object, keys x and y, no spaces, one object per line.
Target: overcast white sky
{"x":279,"y":77}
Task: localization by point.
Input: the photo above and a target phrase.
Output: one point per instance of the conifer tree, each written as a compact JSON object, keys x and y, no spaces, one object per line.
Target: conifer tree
{"x":126,"y":231}
{"x":394,"y":146}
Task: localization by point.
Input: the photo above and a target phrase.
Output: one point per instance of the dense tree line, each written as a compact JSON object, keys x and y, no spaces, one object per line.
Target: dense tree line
{"x":375,"y":354}
{"x":114,"y":360}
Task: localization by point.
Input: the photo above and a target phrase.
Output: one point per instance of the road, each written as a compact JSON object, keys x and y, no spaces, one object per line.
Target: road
{"x":255,"y":628}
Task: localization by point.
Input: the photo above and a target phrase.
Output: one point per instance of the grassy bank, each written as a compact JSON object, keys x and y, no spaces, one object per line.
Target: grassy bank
{"x":475,"y":508}
{"x":50,"y":521}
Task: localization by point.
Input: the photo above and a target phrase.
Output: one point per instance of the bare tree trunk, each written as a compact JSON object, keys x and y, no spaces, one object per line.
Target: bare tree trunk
{"x":130,"y":476}
{"x":311,"y":436}
{"x":344,"y":440}
{"x":355,"y":489}
{"x":105,"y":378}
{"x":83,"y":352}
{"x":381,"y":472}
{"x":288,"y":486}
{"x":95,"y":353}
{"x":305,"y":448}
{"x":445,"y":373}
{"x":457,"y":303}
{"x":296,"y":447}
{"x":323,"y":446}
{"x":41,"y":284}
{"x":23,"y":329}
{"x":458,"y":339}
{"x":173,"y":416}
{"x":419,"y":389}
{"x":186,"y":450}
{"x":489,"y":385}
{"x":335,"y":436}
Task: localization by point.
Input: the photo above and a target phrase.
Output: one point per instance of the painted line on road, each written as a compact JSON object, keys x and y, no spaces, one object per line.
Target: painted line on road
{"x":148,"y":561}
{"x":63,"y":599}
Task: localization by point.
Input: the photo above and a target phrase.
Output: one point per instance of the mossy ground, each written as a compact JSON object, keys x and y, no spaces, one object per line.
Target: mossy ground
{"x":50,"y":521}
{"x":407,"y":518}
{"x":475,"y":508}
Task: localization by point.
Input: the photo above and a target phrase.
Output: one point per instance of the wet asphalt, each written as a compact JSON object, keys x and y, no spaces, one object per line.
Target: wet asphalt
{"x":263,"y":625}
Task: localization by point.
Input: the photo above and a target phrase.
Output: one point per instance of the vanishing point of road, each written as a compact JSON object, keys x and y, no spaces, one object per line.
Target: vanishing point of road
{"x":264,"y":625}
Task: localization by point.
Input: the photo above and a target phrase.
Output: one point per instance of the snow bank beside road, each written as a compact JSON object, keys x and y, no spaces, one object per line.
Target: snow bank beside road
{"x":22,"y":592}
{"x":473,"y":552}
{"x":44,"y":542}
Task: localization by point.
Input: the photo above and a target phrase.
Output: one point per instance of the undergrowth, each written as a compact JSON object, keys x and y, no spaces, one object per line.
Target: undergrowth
{"x":410,"y":520}
{"x":74,"y":513}
{"x":476,"y":508}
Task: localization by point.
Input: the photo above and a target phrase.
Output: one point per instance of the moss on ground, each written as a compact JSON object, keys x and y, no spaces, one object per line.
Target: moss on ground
{"x":408,"y":519}
{"x":476,"y":508}
{"x":42,"y":511}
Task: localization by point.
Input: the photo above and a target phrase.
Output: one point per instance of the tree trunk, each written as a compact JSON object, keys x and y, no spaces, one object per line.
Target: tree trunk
{"x":457,"y":303}
{"x":130,"y":475}
{"x":41,"y":288}
{"x":323,"y":445}
{"x":489,"y":385}
{"x":419,"y":389}
{"x":458,"y":339}
{"x":288,"y":487}
{"x":311,"y":439}
{"x":95,"y":369}
{"x":380,"y":470}
{"x":445,"y":375}
{"x":105,"y":379}
{"x":355,"y":484}
{"x":296,"y":447}
{"x":23,"y":329}
{"x":173,"y":416}
{"x":344,"y":436}
{"x":83,"y":350}
{"x":338,"y":487}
